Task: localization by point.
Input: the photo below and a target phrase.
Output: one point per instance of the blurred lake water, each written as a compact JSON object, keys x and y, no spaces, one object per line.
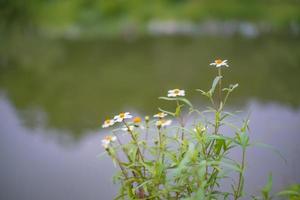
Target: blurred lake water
{"x":55,"y":93}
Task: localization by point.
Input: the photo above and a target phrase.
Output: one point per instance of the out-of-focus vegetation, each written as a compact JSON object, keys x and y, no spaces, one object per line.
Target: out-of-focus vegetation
{"x":72,"y":77}
{"x":119,"y":16}
{"x":182,"y":161}
{"x":77,"y":81}
{"x":292,"y":192}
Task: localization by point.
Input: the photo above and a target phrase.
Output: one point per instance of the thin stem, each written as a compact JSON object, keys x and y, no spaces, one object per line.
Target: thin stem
{"x":181,"y":122}
{"x":218,"y":111}
{"x":216,"y":130}
{"x":126,"y":153}
{"x":118,"y":139}
{"x":217,"y":115}
{"x":220,"y":85}
{"x":146,"y":136}
{"x":138,"y":148}
{"x":135,"y":140}
{"x":217,"y":126}
{"x":159,"y":138}
{"x":159,"y":144}
{"x":212,"y":102}
{"x":119,"y":163}
{"x":226,"y":97}
{"x":241,"y":177}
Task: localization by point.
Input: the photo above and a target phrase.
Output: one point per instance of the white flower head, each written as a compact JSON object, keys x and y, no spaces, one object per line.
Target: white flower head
{"x":220,"y":63}
{"x":107,"y":140}
{"x":128,"y":129}
{"x":176,"y":92}
{"x":160,"y":115}
{"x":163,"y":123}
{"x":120,"y":117}
{"x":108,"y":123}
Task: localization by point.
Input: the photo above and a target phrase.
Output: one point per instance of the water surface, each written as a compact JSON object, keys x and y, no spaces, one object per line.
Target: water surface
{"x":56,"y":92}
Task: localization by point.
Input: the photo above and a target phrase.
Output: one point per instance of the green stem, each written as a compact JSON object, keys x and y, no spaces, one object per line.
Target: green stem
{"x":119,"y":163}
{"x":180,"y":119}
{"x":159,"y":144}
{"x":226,"y":97}
{"x":217,"y":126}
{"x":217,"y":115}
{"x":220,"y":85}
{"x":218,"y":111}
{"x":135,"y":140}
{"x":146,"y":136}
{"x":212,"y":102}
{"x":241,"y":177}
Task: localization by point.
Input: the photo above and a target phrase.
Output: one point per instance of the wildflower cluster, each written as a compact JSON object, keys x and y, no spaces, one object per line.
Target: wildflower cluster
{"x":129,"y":126}
{"x":182,"y":153}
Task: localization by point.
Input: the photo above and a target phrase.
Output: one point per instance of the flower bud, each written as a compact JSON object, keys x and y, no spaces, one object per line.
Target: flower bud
{"x":137,"y":120}
{"x":147,"y":118}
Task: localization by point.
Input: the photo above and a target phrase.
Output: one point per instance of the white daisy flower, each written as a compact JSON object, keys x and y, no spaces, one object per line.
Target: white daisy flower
{"x":162,"y":123}
{"x":220,"y":63}
{"x":128,"y":129}
{"x":107,"y":140}
{"x":122,"y":116}
{"x":108,"y":123}
{"x":160,"y":115}
{"x":176,"y":92}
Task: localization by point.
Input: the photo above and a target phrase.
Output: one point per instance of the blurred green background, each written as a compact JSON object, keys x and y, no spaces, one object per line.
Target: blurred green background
{"x":116,"y":17}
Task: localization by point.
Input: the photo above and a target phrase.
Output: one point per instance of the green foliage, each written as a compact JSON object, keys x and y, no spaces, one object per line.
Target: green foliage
{"x":267,"y":189}
{"x":292,"y":192}
{"x":113,"y":15}
{"x":185,"y":161}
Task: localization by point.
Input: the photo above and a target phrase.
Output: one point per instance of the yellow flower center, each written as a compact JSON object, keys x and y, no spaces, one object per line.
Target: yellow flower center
{"x":107,"y":121}
{"x":176,"y":91}
{"x":122,"y":115}
{"x":218,"y":61}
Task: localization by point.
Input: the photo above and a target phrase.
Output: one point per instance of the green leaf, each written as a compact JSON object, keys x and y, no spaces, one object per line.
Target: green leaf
{"x":177,"y":99}
{"x":186,"y":159}
{"x":178,"y":110}
{"x":214,"y":84}
{"x":133,"y":152}
{"x":141,"y":185}
{"x":267,"y":188}
{"x":232,"y":87}
{"x":102,"y":154}
{"x":293,"y":192}
{"x":231,"y":166}
{"x":244,"y":139}
{"x":218,"y":146}
{"x":207,"y":94}
{"x":220,"y":137}
{"x":200,"y":194}
{"x":288,"y":193}
{"x":271,"y":148}
{"x":168,"y":112}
